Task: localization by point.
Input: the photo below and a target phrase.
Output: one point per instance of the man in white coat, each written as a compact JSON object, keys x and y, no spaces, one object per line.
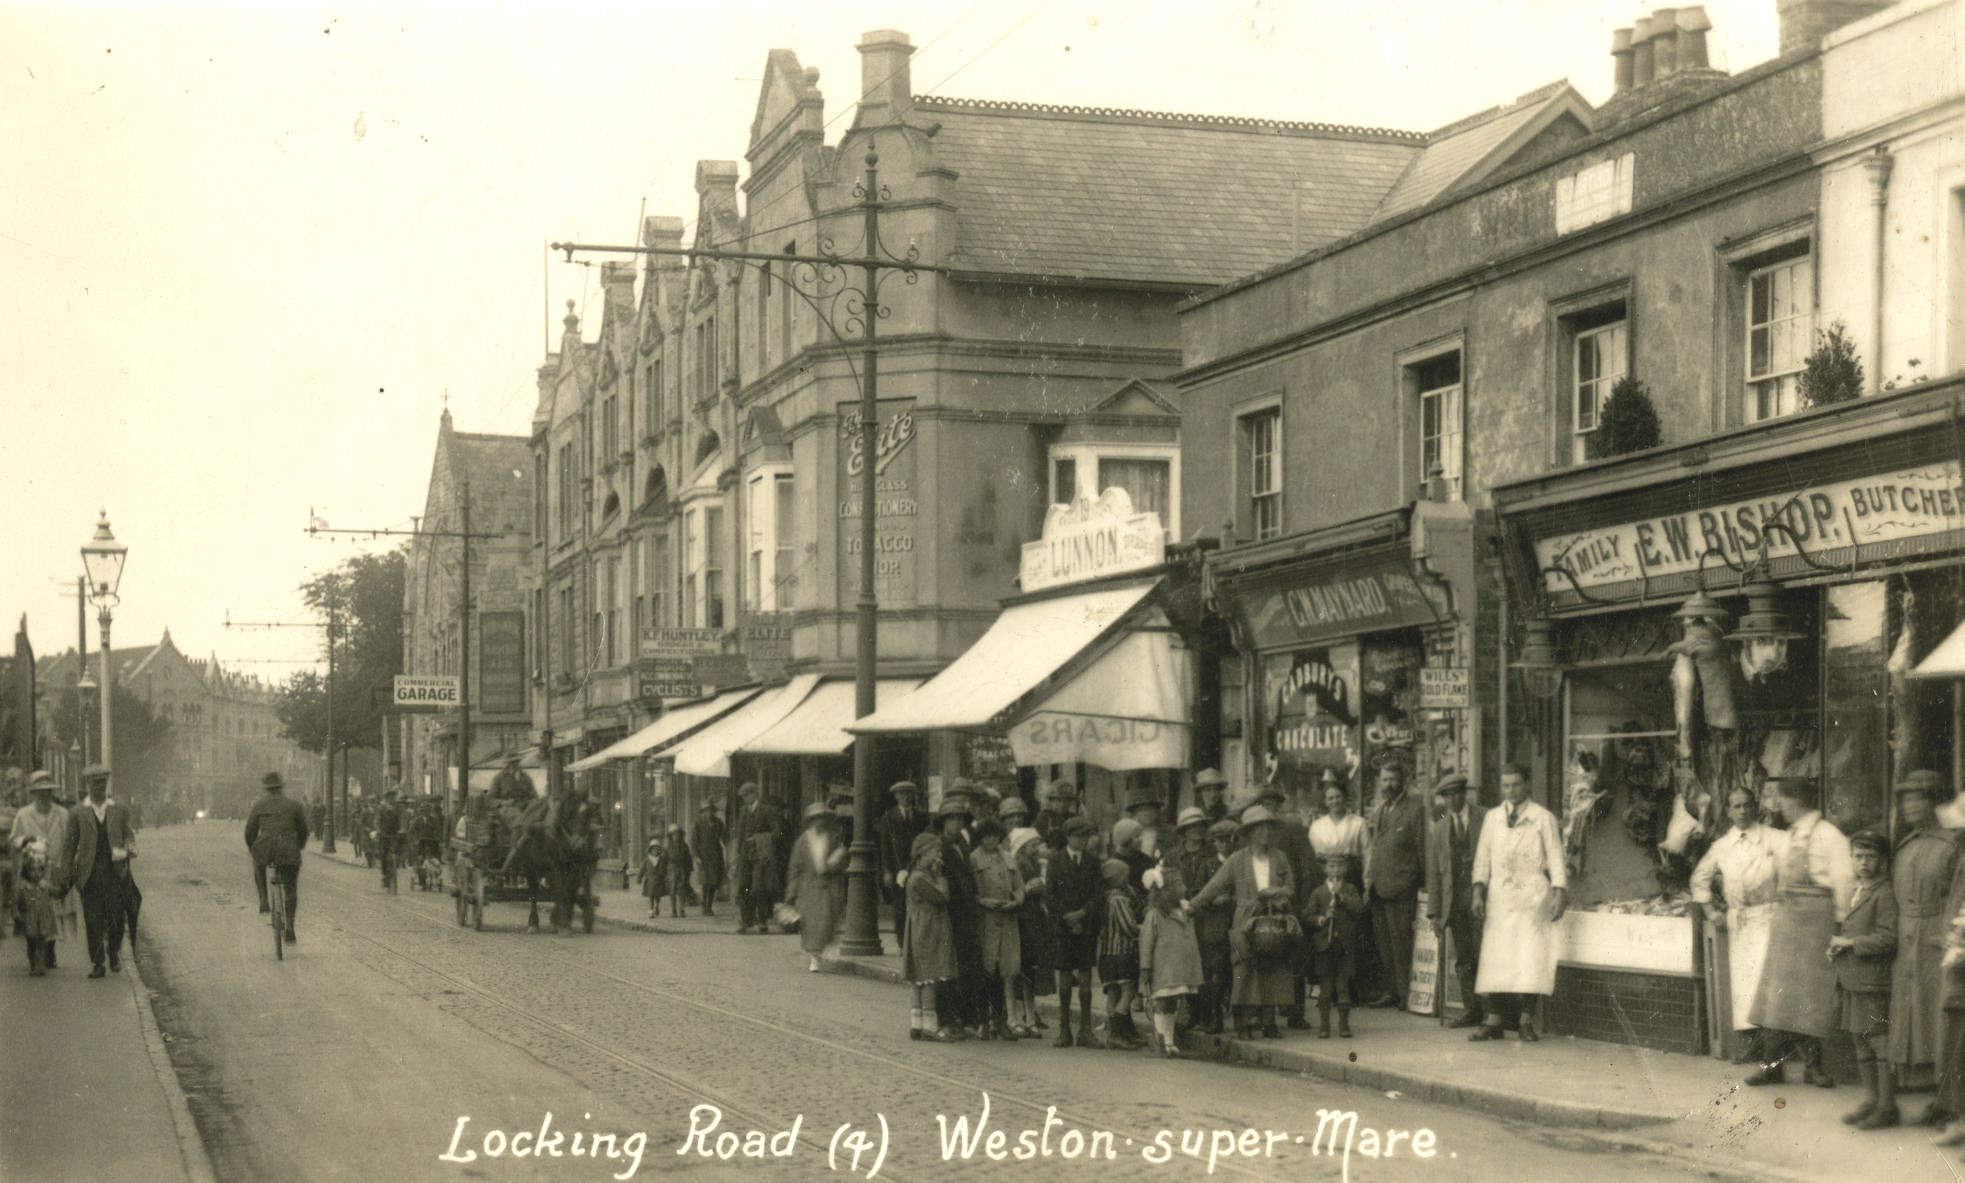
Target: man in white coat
{"x":1520,"y":892}
{"x":1743,"y":861}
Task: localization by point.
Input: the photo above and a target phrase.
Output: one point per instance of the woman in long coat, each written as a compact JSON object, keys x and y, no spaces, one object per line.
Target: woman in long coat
{"x":44,"y":822}
{"x":1258,"y":876}
{"x":1920,"y":872}
{"x":999,"y":895}
{"x":928,"y":945}
{"x":709,"y":838}
{"x":814,"y":879}
{"x":1520,"y":890}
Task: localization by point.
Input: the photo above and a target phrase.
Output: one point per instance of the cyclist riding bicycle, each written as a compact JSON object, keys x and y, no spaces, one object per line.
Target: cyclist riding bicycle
{"x":276,"y":830}
{"x":388,"y":835}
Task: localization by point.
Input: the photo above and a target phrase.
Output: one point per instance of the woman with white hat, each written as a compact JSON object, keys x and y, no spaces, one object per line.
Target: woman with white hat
{"x":814,"y":882}
{"x":1258,"y":876}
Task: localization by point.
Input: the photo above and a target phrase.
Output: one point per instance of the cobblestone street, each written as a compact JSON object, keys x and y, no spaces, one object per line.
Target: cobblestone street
{"x":622,"y":1032}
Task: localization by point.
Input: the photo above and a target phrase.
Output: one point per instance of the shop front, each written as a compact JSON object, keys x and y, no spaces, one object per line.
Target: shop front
{"x":1088,"y":676}
{"x":1712,"y":618}
{"x":1353,"y":650}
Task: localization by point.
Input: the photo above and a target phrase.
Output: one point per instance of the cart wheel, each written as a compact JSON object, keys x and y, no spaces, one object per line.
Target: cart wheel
{"x":477,"y":910}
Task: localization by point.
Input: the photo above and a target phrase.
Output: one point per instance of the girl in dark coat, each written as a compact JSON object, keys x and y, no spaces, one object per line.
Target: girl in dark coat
{"x":1035,"y":935}
{"x":655,"y":876}
{"x":681,"y":863}
{"x":928,"y":948}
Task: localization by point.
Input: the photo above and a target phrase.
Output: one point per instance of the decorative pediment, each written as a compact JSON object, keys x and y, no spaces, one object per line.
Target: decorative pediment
{"x":1137,"y":397}
{"x":760,"y":429}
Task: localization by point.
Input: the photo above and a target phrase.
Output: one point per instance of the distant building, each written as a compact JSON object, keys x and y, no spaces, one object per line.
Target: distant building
{"x":223,"y":729}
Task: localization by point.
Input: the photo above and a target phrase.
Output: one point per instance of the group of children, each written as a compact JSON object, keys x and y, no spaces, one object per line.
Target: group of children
{"x":1051,"y":912}
{"x":665,"y":871}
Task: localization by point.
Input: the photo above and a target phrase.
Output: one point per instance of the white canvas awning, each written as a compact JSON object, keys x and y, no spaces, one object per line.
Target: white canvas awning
{"x":668,"y":728}
{"x":817,"y":726}
{"x":1028,"y":643}
{"x":1128,"y":709}
{"x":707,"y":753}
{"x":1947,"y":660}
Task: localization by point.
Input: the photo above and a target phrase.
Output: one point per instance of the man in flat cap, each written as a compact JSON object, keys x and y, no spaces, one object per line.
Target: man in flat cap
{"x":895,"y":833}
{"x":1450,"y":885}
{"x":100,"y":843}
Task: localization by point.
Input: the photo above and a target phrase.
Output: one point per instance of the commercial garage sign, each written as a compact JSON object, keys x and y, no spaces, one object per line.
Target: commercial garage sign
{"x":426,"y":692}
{"x":1903,"y":509}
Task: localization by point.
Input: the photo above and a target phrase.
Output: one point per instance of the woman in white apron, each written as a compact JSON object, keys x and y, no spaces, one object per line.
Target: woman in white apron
{"x":1743,"y":860}
{"x":1520,"y":892}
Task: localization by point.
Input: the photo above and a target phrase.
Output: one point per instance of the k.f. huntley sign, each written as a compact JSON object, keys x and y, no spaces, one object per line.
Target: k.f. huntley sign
{"x":1090,"y":539}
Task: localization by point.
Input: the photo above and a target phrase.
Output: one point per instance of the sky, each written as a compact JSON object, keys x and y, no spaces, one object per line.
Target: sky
{"x":249,"y":254}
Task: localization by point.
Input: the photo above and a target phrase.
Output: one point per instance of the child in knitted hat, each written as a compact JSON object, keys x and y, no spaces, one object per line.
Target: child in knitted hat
{"x":928,"y":948}
{"x":34,"y":909}
{"x":1169,"y":955}
{"x":1118,"y":955}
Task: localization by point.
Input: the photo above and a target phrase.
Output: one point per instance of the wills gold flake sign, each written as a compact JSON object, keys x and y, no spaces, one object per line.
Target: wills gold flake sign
{"x":1090,"y":539}
{"x":1891,"y":507}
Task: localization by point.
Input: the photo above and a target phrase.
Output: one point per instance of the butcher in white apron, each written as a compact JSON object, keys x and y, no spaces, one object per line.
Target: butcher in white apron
{"x":1795,"y":1002}
{"x":1743,"y":860}
{"x":1520,"y":892}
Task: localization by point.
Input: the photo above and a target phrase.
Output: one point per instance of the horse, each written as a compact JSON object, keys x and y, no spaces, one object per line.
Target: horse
{"x":555,"y":845}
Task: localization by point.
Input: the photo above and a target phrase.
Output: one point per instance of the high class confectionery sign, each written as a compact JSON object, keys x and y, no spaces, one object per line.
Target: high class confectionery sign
{"x":1893,"y":507}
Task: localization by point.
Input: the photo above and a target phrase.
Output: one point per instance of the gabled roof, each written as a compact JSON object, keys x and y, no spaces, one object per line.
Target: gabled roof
{"x":1151,"y":198}
{"x":499,"y":469}
{"x":1140,"y":396}
{"x":1469,"y":149}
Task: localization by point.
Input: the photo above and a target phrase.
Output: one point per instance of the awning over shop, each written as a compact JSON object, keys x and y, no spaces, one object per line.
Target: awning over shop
{"x":1947,"y":660}
{"x":1028,"y":643}
{"x":817,"y":726}
{"x":665,"y":730}
{"x":1128,"y":709}
{"x":707,"y":753}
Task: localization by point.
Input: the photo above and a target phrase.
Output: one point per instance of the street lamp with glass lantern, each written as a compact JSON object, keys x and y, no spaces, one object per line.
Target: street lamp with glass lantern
{"x":102,"y":561}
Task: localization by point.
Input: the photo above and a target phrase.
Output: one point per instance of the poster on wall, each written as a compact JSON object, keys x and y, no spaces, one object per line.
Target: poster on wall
{"x":501,"y":663}
{"x":1310,"y":711}
{"x":896,"y":493}
{"x":1389,"y":697}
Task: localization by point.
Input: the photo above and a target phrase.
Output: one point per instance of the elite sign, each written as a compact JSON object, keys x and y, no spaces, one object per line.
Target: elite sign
{"x":426,"y":692}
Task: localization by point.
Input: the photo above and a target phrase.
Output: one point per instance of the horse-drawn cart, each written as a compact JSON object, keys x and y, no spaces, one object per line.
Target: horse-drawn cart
{"x":483,"y":869}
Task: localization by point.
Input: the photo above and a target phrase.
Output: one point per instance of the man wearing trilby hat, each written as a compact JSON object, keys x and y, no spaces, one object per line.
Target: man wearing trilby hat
{"x":276,"y":832}
{"x":895,"y":833}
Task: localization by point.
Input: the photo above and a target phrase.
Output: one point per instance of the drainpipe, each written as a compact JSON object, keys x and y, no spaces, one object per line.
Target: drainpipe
{"x":1878,"y":164}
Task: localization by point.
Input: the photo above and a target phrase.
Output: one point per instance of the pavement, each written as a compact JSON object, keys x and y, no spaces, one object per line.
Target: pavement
{"x":90,"y":1047}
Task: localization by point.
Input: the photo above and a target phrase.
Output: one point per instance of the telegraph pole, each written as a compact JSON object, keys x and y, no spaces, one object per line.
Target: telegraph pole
{"x":862,"y":311}
{"x":466,"y":536}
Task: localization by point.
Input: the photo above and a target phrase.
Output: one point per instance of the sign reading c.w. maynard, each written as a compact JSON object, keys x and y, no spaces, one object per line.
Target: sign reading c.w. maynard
{"x":1894,"y":507}
{"x":1089,"y":539}
{"x":426,"y":692}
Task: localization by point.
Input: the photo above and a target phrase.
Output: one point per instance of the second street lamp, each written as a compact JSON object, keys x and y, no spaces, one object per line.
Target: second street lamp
{"x":102,"y":561}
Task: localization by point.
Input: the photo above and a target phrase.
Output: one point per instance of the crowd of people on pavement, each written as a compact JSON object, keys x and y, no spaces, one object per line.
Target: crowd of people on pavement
{"x":67,"y":860}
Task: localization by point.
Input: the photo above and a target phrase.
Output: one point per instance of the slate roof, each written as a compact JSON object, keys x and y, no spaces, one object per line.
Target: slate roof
{"x":1135,"y":196}
{"x":1473,"y":146}
{"x":499,"y":468}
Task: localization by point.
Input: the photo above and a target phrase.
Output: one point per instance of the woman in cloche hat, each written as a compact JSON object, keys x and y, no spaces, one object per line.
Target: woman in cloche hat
{"x":1257,"y":876}
{"x":815,"y":883}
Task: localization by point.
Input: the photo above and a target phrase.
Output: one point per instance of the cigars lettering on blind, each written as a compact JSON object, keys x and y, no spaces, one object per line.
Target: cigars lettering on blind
{"x":1888,"y":507}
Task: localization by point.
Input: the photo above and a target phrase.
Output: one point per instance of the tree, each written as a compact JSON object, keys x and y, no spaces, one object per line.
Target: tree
{"x":139,"y":741}
{"x":364,"y":596}
{"x":1832,"y":373}
{"x":1627,"y":423}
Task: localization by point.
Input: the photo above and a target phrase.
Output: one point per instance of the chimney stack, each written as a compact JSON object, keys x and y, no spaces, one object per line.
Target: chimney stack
{"x":886,"y":91}
{"x":1664,"y":43}
{"x":1805,"y":22}
{"x":657,"y":230}
{"x":1692,"y":26}
{"x":1620,"y":53}
{"x":1641,"y":60}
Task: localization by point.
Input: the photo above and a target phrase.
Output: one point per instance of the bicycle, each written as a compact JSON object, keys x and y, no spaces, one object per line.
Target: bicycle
{"x":276,"y":897}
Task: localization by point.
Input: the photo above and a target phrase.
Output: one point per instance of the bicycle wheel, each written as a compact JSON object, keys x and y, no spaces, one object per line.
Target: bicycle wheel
{"x":276,"y":895}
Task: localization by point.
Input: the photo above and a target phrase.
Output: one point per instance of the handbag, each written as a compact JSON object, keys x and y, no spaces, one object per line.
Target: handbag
{"x":1274,"y":935}
{"x":786,"y":917}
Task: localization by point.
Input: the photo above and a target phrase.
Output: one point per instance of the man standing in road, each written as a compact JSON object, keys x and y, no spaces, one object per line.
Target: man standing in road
{"x":388,"y":835}
{"x":1450,"y":886}
{"x":1395,"y":861}
{"x":100,"y":842}
{"x":896,"y":832}
{"x":276,"y":831}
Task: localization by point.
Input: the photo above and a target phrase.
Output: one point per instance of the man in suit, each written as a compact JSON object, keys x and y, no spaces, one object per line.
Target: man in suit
{"x":276,"y":831}
{"x":755,"y":819}
{"x":708,"y":840}
{"x":895,"y":835}
{"x":100,"y":841}
{"x":1395,"y":867}
{"x":1450,"y":885}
